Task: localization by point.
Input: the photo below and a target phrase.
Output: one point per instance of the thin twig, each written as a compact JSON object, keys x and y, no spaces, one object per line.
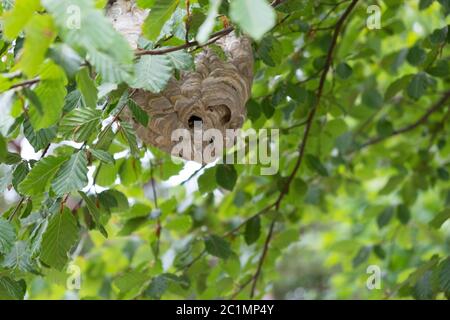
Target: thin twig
{"x":304,"y":141}
{"x":422,"y":120}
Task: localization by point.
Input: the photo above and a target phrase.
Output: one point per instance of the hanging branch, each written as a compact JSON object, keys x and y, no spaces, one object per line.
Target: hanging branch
{"x":304,"y":141}
{"x":422,"y":120}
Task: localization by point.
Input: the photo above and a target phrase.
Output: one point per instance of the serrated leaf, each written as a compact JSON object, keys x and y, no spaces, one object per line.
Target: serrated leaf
{"x":152,"y":73}
{"x":51,"y":92}
{"x":7,"y":236}
{"x":87,"y":88}
{"x":3,"y":149}
{"x":16,"y":19}
{"x":81,"y":123}
{"x":138,"y":114}
{"x":40,"y":34}
{"x":72,"y":175}
{"x":161,"y":11}
{"x":20,"y":173}
{"x":19,"y":258}
{"x":11,"y":289}
{"x":181,"y":60}
{"x":226,"y":176}
{"x":102,"y":156}
{"x":60,"y":236}
{"x":111,"y":70}
{"x":217,"y":247}
{"x":38,"y":180}
{"x":95,"y":34}
{"x":444,"y":276}
{"x":38,"y":139}
{"x":95,"y":213}
{"x":208,"y":25}
{"x":255,"y":17}
{"x":130,"y":280}
{"x":129,"y":134}
{"x":270,"y":51}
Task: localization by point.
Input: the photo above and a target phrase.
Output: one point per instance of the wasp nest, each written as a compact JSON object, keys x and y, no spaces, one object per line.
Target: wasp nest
{"x":214,"y":94}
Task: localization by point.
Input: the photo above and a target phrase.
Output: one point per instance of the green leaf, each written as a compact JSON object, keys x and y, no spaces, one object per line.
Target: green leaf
{"x":440,"y":218}
{"x":66,"y":57}
{"x":19,"y":258}
{"x":157,"y":287}
{"x":423,"y":4}
{"x":12,"y":290}
{"x":60,"y":236}
{"x":252,"y":230}
{"x":130,"y":135}
{"x":39,"y":35}
{"x":181,"y":60}
{"x":16,"y":19}
{"x":38,"y":180}
{"x":161,"y":11}
{"x":38,"y":139}
{"x":110,"y":69}
{"x":207,"y":181}
{"x":80,"y":124}
{"x":444,"y":276}
{"x":416,"y":56}
{"x":72,"y":175}
{"x":217,"y":247}
{"x":7,"y":236}
{"x":95,"y":213}
{"x":372,"y":98}
{"x":403,"y":214}
{"x":3,"y":149}
{"x":130,"y":280}
{"x":362,"y":256}
{"x":20,"y":173}
{"x":152,"y":73}
{"x":397,"y":86}
{"x":226,"y":176}
{"x":32,"y":97}
{"x":384,"y":128}
{"x":384,"y":217}
{"x":417,"y":86}
{"x":51,"y":92}
{"x":102,"y":156}
{"x":439,"y":36}
{"x":314,"y":164}
{"x":87,"y":88}
{"x":12,"y":158}
{"x":270,"y":51}
{"x":344,"y":71}
{"x":208,"y":25}
{"x":106,"y":48}
{"x":255,"y":17}
{"x":138,"y":114}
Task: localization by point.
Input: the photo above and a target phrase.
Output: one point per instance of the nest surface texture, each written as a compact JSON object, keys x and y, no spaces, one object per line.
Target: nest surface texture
{"x":214,"y":95}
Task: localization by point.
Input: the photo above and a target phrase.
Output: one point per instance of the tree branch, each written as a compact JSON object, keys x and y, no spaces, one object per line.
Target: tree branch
{"x":304,"y":141}
{"x":422,"y":120}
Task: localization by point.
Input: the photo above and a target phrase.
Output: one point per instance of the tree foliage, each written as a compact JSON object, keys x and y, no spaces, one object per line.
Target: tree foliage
{"x":363,"y":180}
